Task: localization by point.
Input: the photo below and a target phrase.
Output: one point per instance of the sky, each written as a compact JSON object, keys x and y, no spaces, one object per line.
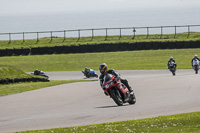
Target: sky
{"x":45,"y":15}
{"x":24,"y":7}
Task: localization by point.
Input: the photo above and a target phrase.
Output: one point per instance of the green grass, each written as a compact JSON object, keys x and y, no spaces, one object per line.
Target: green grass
{"x":181,"y":123}
{"x":12,"y":72}
{"x":57,"y":41}
{"x":126,"y":60}
{"x":22,"y":87}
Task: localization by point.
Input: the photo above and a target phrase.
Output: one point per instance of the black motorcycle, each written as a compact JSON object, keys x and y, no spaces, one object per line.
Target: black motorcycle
{"x":195,"y":65}
{"x":40,"y":73}
{"x":172,"y":67}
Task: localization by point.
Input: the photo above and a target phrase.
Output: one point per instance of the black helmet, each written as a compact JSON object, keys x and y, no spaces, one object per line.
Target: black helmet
{"x":171,"y":58}
{"x":103,"y":68}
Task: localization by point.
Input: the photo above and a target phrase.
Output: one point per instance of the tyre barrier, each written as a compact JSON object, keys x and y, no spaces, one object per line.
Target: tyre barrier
{"x":105,"y":47}
{"x":89,"y":48}
{"x":17,"y":80}
{"x":14,"y":52}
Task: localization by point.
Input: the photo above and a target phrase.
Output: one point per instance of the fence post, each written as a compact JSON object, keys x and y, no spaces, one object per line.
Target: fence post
{"x":37,"y":38}
{"x":175,"y":32}
{"x":51,"y":37}
{"x":106,"y":34}
{"x":64,"y":36}
{"x":120,"y":34}
{"x":134,"y":33}
{"x":188,"y":31}
{"x":92,"y":34}
{"x":147,"y":32}
{"x":9,"y":38}
{"x":79,"y":35}
{"x":23,"y":38}
{"x":161,"y":32}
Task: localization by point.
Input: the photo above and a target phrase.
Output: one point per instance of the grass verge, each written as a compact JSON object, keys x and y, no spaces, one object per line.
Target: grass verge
{"x":183,"y":123}
{"x":22,"y":87}
{"x":12,"y":72}
{"x":58,"y":41}
{"x":126,"y":60}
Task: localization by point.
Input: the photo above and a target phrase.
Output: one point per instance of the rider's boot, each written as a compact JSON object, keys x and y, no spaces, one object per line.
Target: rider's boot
{"x":131,"y":90}
{"x":125,"y":82}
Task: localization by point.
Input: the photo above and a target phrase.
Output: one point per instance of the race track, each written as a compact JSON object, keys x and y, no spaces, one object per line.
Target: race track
{"x":157,"y":93}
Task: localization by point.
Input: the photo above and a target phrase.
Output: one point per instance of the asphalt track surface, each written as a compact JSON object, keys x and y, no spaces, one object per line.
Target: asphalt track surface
{"x":76,"y":104}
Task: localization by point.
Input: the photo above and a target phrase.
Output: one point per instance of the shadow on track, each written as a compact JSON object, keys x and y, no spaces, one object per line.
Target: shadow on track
{"x":114,"y":106}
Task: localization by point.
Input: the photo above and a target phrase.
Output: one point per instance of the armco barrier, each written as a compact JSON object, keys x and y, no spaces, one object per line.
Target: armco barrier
{"x":101,"y":48}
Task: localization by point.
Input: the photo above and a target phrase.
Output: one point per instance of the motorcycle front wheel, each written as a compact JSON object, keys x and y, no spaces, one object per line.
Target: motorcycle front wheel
{"x":116,"y":97}
{"x":196,"y":72}
{"x":173,"y":73}
{"x":196,"y":69}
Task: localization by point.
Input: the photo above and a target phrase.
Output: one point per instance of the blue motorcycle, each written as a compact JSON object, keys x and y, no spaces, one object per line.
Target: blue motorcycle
{"x":91,"y":73}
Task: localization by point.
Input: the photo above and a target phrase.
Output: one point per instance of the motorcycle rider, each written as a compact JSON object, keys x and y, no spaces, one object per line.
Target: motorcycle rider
{"x":36,"y":72}
{"x":195,"y":57}
{"x":171,"y":59}
{"x":103,"y":68}
{"x":87,"y":71}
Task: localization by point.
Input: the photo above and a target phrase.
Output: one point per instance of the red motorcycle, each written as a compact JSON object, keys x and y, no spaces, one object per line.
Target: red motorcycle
{"x":117,"y":90}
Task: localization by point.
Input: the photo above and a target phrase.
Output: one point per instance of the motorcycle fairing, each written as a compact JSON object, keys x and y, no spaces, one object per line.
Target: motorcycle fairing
{"x":122,"y":88}
{"x":110,"y":82}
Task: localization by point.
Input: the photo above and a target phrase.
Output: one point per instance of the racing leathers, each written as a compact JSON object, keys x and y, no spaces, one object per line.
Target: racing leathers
{"x":194,"y":59}
{"x":170,"y":61}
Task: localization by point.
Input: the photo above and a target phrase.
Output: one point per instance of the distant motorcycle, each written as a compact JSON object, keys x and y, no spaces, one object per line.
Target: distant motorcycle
{"x":172,"y":67}
{"x":117,"y":90}
{"x":41,"y":73}
{"x":195,"y":65}
{"x":91,"y":73}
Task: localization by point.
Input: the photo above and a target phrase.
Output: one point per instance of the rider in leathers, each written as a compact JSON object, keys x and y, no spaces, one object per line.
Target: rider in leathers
{"x":36,"y":72}
{"x":104,"y":70}
{"x":195,"y":57}
{"x":171,"y":59}
{"x":87,"y":72}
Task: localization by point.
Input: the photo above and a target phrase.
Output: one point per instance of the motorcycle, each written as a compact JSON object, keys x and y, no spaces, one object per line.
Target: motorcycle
{"x":41,"y":73}
{"x":117,"y":90}
{"x":91,"y":73}
{"x":172,"y":67}
{"x":195,"y":65}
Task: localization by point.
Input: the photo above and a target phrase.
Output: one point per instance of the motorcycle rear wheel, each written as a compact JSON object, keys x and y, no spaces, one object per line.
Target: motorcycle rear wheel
{"x":115,"y":96}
